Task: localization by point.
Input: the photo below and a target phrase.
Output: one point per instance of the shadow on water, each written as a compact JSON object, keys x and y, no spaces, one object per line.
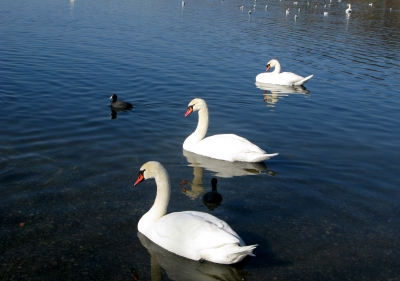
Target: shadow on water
{"x":221,"y":168}
{"x":114,"y":112}
{"x":168,"y":266}
{"x":272,"y":92}
{"x":179,"y":268}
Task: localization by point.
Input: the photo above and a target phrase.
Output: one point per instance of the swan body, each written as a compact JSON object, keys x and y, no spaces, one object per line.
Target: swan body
{"x":193,"y":235}
{"x":228,"y":147}
{"x":278,"y":78}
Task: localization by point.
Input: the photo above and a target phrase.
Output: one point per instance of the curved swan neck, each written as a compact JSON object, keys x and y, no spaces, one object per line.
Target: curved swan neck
{"x":201,"y":129}
{"x":159,"y":208}
{"x":277,"y":67}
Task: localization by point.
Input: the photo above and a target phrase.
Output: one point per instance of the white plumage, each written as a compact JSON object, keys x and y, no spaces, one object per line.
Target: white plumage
{"x":190,"y":234}
{"x":228,"y":147}
{"x":278,"y":78}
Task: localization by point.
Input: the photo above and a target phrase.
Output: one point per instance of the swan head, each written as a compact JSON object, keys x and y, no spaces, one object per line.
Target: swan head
{"x":272,"y":63}
{"x":148,"y":170}
{"x":195,"y":105}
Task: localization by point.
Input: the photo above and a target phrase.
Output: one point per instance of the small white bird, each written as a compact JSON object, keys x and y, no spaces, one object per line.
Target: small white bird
{"x":326,"y":13}
{"x":249,"y":12}
{"x":287,"y":11}
{"x":266,"y":7}
{"x":299,"y":9}
{"x":370,"y":4}
{"x":295,"y":3}
{"x":295,"y":17}
{"x":241,"y":7}
{"x":348,"y":10}
{"x":183,"y":3}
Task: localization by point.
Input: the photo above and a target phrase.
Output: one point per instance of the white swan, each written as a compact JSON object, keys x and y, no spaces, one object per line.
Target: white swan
{"x":348,"y":10}
{"x":193,"y":235}
{"x":278,"y":78}
{"x":226,"y":147}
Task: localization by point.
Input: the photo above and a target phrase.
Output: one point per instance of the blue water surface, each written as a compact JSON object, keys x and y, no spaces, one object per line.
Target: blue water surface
{"x":325,"y":208}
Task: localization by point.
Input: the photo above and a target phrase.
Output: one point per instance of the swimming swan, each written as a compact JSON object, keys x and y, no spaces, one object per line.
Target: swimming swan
{"x":278,"y":78}
{"x":348,"y":10}
{"x":228,"y":147}
{"x":193,"y":235}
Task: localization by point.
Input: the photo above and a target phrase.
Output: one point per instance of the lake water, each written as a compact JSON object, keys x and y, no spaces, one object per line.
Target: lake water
{"x":326,"y":208}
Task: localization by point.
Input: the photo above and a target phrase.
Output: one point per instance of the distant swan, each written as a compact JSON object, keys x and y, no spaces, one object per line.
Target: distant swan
{"x":278,"y":78}
{"x":226,"y":147}
{"x":193,"y":235}
{"x":348,"y":10}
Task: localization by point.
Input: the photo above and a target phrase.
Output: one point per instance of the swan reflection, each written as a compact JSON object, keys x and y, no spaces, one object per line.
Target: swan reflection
{"x":222,"y":169}
{"x":273,"y":92}
{"x":181,"y":269}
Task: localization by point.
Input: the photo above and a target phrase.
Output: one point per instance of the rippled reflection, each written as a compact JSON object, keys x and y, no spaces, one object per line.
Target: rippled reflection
{"x":114,"y":112}
{"x":181,"y":269}
{"x":222,"y":169}
{"x":273,"y":92}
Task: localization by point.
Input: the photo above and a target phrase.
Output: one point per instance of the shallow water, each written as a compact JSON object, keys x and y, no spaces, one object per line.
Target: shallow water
{"x":325,"y":208}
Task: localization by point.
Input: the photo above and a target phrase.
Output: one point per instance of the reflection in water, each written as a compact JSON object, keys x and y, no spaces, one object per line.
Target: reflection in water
{"x":213,"y":198}
{"x":114,"y":111}
{"x":222,"y":169}
{"x":181,"y":269}
{"x":277,"y":91}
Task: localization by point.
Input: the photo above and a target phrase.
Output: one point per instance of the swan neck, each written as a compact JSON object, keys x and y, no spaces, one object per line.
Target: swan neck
{"x":159,"y":208}
{"x":277,"y":68}
{"x":201,"y":129}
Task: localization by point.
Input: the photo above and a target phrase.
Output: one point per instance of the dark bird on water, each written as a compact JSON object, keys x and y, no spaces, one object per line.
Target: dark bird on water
{"x":119,"y":104}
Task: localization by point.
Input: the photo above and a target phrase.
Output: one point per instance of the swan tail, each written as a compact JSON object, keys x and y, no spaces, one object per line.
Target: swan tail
{"x":246,"y":250}
{"x":303,"y":81}
{"x":228,"y":254}
{"x":264,"y":157}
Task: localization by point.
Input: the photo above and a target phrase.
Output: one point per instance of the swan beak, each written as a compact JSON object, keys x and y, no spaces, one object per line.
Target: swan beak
{"x":139,"y":179}
{"x":189,"y":110}
{"x":268,"y":67}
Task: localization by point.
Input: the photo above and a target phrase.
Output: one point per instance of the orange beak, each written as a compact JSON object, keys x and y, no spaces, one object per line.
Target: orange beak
{"x":189,"y":110}
{"x":139,"y":179}
{"x":268,"y":67}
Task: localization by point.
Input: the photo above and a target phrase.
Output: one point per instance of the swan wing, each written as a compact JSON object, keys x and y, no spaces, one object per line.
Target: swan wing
{"x":188,"y":233}
{"x":230,"y":147}
{"x":284,"y":78}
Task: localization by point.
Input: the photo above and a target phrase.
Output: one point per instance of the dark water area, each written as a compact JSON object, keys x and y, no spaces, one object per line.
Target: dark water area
{"x":326,"y":208}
